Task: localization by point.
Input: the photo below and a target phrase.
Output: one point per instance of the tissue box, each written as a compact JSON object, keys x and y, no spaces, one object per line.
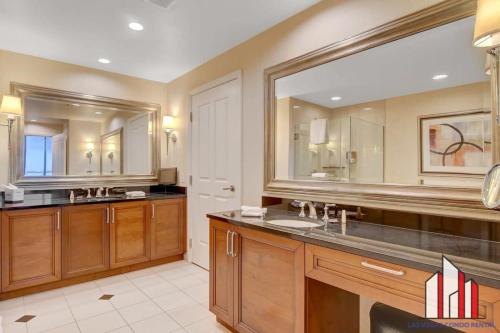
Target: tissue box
{"x":14,"y":195}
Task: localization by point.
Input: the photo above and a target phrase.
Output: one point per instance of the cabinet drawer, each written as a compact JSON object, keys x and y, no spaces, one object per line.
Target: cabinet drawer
{"x":394,"y":285}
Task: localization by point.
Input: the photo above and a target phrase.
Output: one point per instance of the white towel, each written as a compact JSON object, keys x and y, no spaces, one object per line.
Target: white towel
{"x":319,"y":174}
{"x":135,"y":194}
{"x":318,"y":131}
{"x":251,"y":211}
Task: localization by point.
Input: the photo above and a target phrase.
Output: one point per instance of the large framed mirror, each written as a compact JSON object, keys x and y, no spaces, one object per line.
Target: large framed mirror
{"x":402,"y":113}
{"x":67,"y":139}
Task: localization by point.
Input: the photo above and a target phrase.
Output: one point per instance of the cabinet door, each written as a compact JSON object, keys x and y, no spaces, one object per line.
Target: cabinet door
{"x":221,"y":272}
{"x":130,"y":233}
{"x":85,"y":240}
{"x":269,"y":283}
{"x":31,"y":247}
{"x":168,"y":223}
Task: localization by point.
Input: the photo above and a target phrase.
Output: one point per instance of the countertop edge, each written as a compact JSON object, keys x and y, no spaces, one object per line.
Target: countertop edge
{"x":369,"y":249}
{"x":151,"y":197}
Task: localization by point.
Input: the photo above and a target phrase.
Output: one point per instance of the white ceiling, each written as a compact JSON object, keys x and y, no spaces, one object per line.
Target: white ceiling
{"x":396,"y":69}
{"x":175,"y":39}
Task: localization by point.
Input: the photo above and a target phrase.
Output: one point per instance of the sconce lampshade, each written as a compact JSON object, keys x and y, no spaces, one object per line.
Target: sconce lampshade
{"x":168,"y":123}
{"x":487,"y":28}
{"x":11,"y":105}
{"x":90,"y":146}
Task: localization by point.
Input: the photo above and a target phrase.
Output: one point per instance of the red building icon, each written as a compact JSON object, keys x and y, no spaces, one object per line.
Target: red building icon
{"x":449,"y":296}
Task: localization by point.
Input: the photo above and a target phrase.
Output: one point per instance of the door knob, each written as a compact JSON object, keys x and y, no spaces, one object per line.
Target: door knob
{"x":230,"y":188}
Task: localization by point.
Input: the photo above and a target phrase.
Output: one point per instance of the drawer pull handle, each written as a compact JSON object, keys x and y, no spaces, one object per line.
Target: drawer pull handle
{"x":382,"y":269}
{"x":227,"y":243}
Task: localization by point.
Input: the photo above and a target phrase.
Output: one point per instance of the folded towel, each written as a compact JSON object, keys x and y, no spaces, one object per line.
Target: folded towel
{"x":135,"y":194}
{"x":319,"y":174}
{"x":317,"y":131}
{"x":247,"y":213}
{"x":252,"y":211}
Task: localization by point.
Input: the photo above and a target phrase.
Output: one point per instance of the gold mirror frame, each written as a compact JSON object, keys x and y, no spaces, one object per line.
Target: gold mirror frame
{"x":454,"y":202}
{"x":16,"y":170}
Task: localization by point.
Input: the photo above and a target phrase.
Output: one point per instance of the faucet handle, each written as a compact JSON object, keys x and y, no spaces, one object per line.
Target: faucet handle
{"x":302,"y":205}
{"x":88,"y":192}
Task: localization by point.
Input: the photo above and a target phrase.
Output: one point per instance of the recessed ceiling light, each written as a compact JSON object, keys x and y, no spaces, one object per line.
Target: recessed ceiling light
{"x":75,"y":104}
{"x":296,"y":106}
{"x":336,"y":98}
{"x":98,"y":112}
{"x":440,"y":77}
{"x":135,"y":26}
{"x":367,"y":109}
{"x":104,"y":60}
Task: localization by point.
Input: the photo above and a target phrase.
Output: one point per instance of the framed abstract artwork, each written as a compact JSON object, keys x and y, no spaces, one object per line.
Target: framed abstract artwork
{"x":455,"y":143}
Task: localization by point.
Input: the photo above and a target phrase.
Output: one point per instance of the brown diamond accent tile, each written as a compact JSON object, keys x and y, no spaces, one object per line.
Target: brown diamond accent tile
{"x":25,"y":319}
{"x":106,"y":297}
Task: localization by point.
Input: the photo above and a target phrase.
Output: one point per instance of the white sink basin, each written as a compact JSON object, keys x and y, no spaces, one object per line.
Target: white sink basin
{"x":294,"y":223}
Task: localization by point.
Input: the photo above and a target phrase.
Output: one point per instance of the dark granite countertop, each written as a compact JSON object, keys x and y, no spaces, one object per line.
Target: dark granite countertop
{"x":56,"y":200}
{"x":479,"y":259}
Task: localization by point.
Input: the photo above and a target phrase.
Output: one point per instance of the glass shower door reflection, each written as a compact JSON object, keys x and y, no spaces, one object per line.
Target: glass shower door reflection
{"x":366,"y":155}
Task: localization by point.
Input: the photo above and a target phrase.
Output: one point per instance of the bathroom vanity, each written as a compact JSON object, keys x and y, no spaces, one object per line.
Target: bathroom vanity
{"x":266,"y":278}
{"x":51,"y":242}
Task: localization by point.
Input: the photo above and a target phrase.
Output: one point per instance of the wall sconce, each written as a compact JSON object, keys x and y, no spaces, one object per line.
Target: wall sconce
{"x":487,"y":27}
{"x":111,"y":155}
{"x":11,"y":106}
{"x":89,"y":155}
{"x":168,"y":128}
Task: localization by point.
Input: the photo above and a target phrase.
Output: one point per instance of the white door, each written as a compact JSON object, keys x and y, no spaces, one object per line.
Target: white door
{"x":138,"y":145}
{"x":215,"y":160}
{"x":59,"y":155}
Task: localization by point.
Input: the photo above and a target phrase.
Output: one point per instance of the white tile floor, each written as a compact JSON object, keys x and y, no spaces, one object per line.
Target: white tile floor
{"x":167,"y":298}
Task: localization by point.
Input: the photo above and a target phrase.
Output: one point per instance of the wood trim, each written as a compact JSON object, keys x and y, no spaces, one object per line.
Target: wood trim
{"x":89,"y":277}
{"x":456,"y":202}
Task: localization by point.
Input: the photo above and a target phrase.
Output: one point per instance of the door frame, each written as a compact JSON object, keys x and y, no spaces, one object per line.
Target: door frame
{"x":232,"y":76}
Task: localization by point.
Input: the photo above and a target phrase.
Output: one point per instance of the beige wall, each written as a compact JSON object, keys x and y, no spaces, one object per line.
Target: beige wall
{"x":327,"y":22}
{"x":53,"y":74}
{"x":401,"y":155}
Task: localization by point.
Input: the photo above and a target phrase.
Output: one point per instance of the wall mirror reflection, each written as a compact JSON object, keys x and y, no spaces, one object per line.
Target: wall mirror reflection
{"x":413,"y":111}
{"x":66,"y":138}
{"x":71,"y":139}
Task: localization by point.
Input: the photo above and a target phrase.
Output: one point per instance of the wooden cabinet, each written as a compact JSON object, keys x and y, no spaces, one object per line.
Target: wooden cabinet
{"x":85,"y":240}
{"x":395,"y":285}
{"x":31,"y":247}
{"x":221,"y":272}
{"x":168,"y":227}
{"x":130,"y":233}
{"x":257,"y":279}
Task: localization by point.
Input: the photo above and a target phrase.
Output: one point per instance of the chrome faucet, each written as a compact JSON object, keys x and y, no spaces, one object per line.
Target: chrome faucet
{"x":89,"y":195}
{"x":312,"y":209}
{"x":326,"y":218}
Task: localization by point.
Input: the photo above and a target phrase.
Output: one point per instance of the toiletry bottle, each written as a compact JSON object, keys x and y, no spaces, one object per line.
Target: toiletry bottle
{"x":343,"y":224}
{"x":72,"y":196}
